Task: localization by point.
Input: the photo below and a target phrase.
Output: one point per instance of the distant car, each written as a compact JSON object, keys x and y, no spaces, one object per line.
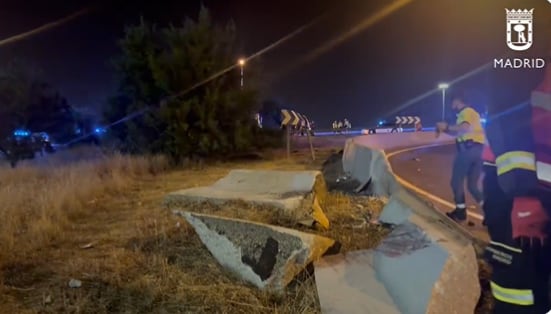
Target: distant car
{"x":385,"y":127}
{"x":22,"y":144}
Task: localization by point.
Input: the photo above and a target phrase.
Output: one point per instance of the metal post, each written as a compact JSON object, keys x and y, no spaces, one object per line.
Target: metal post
{"x":288,"y":131}
{"x":311,"y":145}
{"x":241,"y":76}
{"x":443,"y":104}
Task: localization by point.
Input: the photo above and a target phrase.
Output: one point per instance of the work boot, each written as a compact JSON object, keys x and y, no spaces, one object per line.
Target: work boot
{"x":458,"y":215}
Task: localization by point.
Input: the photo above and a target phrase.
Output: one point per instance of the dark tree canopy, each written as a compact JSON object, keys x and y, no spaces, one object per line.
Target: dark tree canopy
{"x":156,"y":69}
{"x":28,"y":101}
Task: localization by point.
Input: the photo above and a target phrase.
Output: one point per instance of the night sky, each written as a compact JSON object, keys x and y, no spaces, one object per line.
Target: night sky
{"x":362,"y":79}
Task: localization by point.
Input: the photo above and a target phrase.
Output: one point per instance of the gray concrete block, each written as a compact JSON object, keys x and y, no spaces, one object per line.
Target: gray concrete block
{"x":348,"y":283}
{"x":299,"y":193}
{"x":395,"y":211}
{"x":269,"y":257}
{"x":427,"y":264}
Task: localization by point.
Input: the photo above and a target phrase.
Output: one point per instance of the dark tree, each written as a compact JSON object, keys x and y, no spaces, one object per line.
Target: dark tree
{"x":157,"y":69}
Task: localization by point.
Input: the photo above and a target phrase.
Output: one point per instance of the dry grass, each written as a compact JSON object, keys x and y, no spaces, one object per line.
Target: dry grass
{"x":100,"y":221}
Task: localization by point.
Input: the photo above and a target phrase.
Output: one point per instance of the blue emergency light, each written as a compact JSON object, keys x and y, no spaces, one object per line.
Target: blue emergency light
{"x":22,"y":133}
{"x":381,"y":122}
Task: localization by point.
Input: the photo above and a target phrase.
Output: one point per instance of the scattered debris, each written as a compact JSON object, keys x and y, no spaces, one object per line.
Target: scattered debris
{"x":87,"y":246}
{"x":75,"y":283}
{"x":46,"y":299}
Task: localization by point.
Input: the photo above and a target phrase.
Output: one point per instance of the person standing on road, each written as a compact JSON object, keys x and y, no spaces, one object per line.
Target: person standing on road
{"x":470,"y":139}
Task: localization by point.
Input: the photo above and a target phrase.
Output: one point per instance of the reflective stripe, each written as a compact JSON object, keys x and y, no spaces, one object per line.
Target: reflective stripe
{"x":460,"y":206}
{"x":507,"y":247}
{"x":512,"y":296}
{"x":544,"y":171}
{"x":487,"y":163}
{"x":541,"y":100}
{"x":515,"y":160}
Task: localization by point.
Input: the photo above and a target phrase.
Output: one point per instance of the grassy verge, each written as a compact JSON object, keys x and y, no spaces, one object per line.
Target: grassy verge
{"x":100,"y":221}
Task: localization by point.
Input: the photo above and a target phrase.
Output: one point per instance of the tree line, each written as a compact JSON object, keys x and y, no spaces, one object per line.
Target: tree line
{"x":156,"y":110}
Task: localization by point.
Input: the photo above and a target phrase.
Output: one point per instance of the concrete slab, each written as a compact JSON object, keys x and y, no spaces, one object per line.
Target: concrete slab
{"x":355,"y":279}
{"x":427,"y":261}
{"x":367,"y":165}
{"x":407,"y":273}
{"x":300,"y":194}
{"x":269,"y":257}
{"x":364,"y":157}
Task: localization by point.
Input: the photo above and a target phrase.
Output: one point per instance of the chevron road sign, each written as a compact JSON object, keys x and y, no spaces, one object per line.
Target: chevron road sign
{"x":289,"y":117}
{"x":407,"y":120}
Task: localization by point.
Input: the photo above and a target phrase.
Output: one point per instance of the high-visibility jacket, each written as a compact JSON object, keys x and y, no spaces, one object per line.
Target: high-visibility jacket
{"x":488,"y":156}
{"x":476,"y":132}
{"x":541,"y":128}
{"x":521,"y":142}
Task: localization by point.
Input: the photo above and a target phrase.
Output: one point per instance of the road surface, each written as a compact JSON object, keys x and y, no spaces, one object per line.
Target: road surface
{"x":429,"y":169}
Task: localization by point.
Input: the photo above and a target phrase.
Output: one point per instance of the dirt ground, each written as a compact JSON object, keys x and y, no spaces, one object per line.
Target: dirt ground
{"x":98,"y":219}
{"x":101,"y":223}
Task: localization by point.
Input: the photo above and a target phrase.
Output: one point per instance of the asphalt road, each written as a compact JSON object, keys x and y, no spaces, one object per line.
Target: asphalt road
{"x":429,"y":169}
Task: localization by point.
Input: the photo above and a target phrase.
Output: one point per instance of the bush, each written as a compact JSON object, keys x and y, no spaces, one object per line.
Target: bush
{"x":157,"y":67}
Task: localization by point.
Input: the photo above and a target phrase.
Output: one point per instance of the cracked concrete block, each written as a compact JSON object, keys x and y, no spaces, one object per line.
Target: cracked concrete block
{"x":427,"y":264}
{"x":298,"y":193}
{"x":364,"y":157}
{"x":269,"y":257}
{"x":407,"y":273}
{"x":354,"y":277}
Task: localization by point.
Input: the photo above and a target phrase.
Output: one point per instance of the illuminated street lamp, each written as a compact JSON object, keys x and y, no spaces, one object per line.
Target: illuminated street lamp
{"x":443,"y":87}
{"x":241,"y":63}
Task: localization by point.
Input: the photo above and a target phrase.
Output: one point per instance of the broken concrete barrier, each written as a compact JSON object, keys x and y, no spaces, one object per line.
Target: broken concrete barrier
{"x":301,"y":194}
{"x":427,"y":264}
{"x":422,"y":266}
{"x":364,"y":157}
{"x":266,"y":256}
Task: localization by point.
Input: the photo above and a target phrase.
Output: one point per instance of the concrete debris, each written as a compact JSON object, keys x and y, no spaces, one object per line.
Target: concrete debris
{"x":269,"y":257}
{"x":87,"y":246}
{"x":300,"y":194}
{"x":421,"y":266}
{"x":424,"y":263}
{"x":354,"y":277}
{"x":47,"y":299}
{"x":75,"y":283}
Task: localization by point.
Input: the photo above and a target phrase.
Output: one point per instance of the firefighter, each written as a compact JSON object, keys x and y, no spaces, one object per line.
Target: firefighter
{"x":470,"y":139}
{"x":517,"y":190}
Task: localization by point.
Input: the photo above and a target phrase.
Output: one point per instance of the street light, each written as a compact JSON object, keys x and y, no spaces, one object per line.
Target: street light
{"x":443,"y":87}
{"x":241,"y":63}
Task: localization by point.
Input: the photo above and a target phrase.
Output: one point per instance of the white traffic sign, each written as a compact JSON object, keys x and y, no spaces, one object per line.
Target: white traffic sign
{"x":407,"y":120}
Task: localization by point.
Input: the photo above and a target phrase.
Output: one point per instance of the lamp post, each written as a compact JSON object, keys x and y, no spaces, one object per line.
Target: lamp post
{"x":443,"y":87}
{"x":241,"y":63}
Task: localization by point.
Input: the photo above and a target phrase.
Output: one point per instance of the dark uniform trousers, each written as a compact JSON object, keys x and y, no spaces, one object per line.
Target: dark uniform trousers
{"x":467,"y":165}
{"x":520,"y":269}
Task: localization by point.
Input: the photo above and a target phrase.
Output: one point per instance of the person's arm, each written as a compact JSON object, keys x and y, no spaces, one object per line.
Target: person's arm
{"x":458,"y":129}
{"x":464,"y":124}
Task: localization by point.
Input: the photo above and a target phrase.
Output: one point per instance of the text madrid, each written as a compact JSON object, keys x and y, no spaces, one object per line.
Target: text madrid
{"x":520,"y":63}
